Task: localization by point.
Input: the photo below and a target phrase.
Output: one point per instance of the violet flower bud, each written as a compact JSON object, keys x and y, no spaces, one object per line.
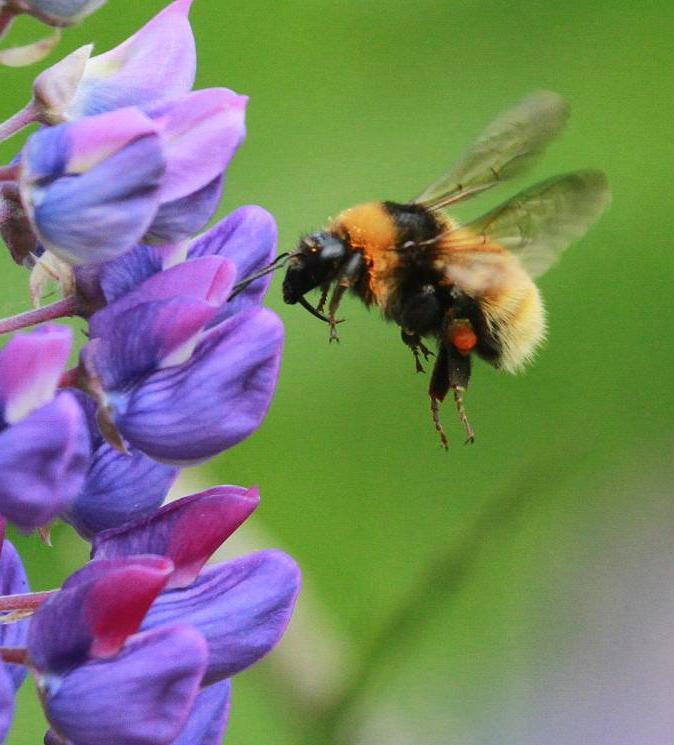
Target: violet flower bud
{"x":56,"y":12}
{"x":157,"y":63}
{"x":92,"y":188}
{"x":44,"y":442}
{"x":90,"y":663}
{"x":184,"y":408}
{"x":241,"y":607}
{"x":143,"y":696}
{"x":173,"y":389}
{"x":95,"y":187}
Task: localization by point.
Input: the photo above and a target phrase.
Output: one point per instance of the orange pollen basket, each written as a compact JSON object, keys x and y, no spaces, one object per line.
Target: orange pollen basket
{"x":463,"y":337}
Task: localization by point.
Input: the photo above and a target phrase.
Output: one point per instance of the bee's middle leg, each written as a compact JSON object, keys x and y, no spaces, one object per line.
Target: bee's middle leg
{"x":413,"y":341}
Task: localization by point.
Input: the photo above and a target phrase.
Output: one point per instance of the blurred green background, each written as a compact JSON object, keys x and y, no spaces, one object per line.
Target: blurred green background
{"x":520,"y":591}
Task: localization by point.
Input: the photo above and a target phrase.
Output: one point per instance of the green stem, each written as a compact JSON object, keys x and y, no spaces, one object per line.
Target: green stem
{"x":444,"y":577}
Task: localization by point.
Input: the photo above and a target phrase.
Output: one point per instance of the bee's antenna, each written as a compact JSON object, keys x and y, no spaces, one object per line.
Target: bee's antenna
{"x":278,"y":263}
{"x":458,"y":399}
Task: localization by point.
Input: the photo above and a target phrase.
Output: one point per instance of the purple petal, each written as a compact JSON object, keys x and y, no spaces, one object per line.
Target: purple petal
{"x":95,"y":138}
{"x":141,"y":339}
{"x":241,"y":607}
{"x":54,"y":88}
{"x":51,"y":738}
{"x":128,"y":271}
{"x":186,"y":531}
{"x":61,"y":12}
{"x":201,"y":131}
{"x":182,"y":218}
{"x":7,"y":692}
{"x":98,"y":608}
{"x":44,"y":460}
{"x":217,"y":398}
{"x":101,"y":213}
{"x":141,"y":697}
{"x":209,"y":279}
{"x":31,"y":366}
{"x":208,"y":719}
{"x":248,"y":238}
{"x":13,"y":581}
{"x":70,"y":149}
{"x":155,"y":64}
{"x":118,"y":489}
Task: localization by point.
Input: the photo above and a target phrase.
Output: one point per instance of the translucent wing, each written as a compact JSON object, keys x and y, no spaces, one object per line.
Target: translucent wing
{"x":505,"y":149}
{"x":540,"y":222}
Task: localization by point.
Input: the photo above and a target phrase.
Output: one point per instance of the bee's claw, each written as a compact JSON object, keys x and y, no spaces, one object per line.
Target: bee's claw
{"x":333,"y":330}
{"x":425,"y":351}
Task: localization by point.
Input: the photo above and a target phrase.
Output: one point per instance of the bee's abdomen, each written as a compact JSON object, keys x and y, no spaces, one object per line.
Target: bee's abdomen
{"x":516,"y":319}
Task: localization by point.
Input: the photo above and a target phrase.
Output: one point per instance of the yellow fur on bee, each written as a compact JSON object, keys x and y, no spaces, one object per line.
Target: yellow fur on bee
{"x":368,"y":227}
{"x":508,"y":297}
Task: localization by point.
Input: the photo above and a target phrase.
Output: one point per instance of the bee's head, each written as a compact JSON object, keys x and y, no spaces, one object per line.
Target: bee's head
{"x":316,"y":261}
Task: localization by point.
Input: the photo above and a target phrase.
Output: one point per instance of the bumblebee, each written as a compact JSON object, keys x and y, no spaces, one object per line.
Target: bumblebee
{"x":468,"y":286}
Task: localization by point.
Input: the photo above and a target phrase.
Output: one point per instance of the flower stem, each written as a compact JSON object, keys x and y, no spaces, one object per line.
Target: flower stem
{"x":27,"y":115}
{"x":17,"y":655}
{"x":71,"y":378}
{"x":68,"y":306}
{"x":444,"y":578}
{"x":26,"y":601}
{"x":9,"y":173}
{"x":6,"y":18}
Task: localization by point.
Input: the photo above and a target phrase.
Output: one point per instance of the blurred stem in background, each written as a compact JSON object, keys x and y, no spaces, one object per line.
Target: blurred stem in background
{"x":443,"y":578}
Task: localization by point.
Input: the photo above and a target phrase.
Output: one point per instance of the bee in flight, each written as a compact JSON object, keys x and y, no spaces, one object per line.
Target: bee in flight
{"x":469,"y":286}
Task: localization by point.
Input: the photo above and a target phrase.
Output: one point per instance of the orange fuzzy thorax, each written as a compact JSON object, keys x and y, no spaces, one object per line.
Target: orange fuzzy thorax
{"x":370,"y":228}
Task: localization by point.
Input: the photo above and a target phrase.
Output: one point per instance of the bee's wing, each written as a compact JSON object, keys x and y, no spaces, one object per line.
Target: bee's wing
{"x":505,"y":149}
{"x":540,"y":222}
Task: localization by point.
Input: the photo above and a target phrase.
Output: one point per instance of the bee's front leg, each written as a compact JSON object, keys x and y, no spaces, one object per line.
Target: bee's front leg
{"x":325,"y":289}
{"x":347,"y":278}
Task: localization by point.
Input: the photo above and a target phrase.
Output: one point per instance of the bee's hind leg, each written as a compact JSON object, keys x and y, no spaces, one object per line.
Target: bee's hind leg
{"x":413,"y":341}
{"x":458,"y":400}
{"x":451,"y":372}
{"x":347,"y":278}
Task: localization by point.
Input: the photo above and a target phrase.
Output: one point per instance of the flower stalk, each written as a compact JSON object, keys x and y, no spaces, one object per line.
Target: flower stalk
{"x":25,"y":601}
{"x":9,"y":173}
{"x":14,"y":655}
{"x":28,"y":115}
{"x":64,"y":308}
{"x":6,"y":17}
